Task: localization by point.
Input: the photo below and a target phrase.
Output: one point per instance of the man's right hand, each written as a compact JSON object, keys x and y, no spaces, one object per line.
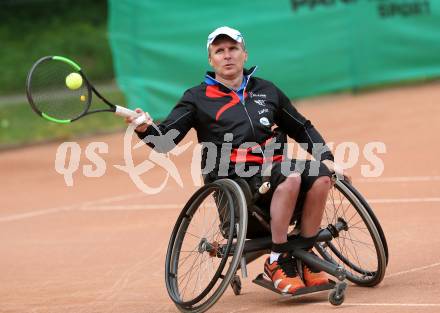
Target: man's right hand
{"x":143,"y":127}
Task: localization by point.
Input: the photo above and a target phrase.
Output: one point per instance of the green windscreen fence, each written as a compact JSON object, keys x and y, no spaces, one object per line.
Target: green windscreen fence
{"x":306,"y":47}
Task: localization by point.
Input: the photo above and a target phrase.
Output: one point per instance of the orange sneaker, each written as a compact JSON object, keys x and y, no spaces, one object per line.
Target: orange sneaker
{"x":313,"y":277}
{"x":283,"y":274}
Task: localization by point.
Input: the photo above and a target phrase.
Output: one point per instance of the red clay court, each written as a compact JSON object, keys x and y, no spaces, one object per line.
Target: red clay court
{"x":100,"y":245}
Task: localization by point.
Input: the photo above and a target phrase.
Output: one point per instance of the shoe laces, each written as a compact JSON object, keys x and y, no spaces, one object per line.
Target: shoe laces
{"x":287,"y":264}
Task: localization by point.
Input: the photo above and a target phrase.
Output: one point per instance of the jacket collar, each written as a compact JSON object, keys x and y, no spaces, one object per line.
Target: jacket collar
{"x":210,"y":76}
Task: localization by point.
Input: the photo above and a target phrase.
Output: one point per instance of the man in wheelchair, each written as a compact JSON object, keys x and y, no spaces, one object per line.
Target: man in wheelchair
{"x":244,"y":118}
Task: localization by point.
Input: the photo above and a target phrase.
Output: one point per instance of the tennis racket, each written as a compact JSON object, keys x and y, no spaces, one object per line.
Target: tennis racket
{"x":58,"y":90}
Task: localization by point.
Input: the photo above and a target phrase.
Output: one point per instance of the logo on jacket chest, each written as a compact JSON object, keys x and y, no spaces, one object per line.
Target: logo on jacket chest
{"x":257,"y":95}
{"x":260,"y":102}
{"x":265,"y":121}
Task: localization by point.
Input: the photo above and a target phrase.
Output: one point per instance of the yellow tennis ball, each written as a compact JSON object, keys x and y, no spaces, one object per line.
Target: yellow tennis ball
{"x":74,"y":81}
{"x":82,"y":98}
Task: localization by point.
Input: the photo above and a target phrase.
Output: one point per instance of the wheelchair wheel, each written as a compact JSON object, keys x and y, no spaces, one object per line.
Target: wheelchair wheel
{"x":206,"y":246}
{"x":360,"y":248}
{"x":372,"y":215}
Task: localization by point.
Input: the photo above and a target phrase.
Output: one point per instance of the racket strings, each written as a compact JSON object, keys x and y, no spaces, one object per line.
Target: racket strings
{"x":51,"y":95}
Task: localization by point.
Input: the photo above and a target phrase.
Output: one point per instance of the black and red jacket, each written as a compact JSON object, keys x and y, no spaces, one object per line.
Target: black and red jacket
{"x":264,"y":115}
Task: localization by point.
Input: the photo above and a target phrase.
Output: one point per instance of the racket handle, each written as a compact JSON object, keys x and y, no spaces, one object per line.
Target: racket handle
{"x":121,"y":111}
{"x":140,"y":120}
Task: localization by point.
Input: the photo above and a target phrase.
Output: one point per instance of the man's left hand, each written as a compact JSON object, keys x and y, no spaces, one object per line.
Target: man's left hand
{"x":337,"y":169}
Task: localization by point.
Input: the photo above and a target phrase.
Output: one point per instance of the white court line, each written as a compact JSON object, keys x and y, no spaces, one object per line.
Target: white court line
{"x":416,"y":269}
{"x":21,"y":216}
{"x":133,"y":207}
{"x":398,"y":179}
{"x":138,"y":207}
{"x":26,"y":215}
{"x":404,"y":200}
{"x":383,"y":304}
{"x":116,"y":198}
{"x":395,"y":200}
{"x":91,"y":206}
{"x":31,"y":214}
{"x":146,"y":207}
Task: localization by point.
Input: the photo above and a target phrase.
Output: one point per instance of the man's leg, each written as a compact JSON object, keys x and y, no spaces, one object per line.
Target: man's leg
{"x":279,"y":267}
{"x":313,"y":210}
{"x":282,"y":207}
{"x":314,"y":206}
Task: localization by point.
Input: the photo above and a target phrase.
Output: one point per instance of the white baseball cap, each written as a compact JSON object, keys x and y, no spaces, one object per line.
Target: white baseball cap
{"x":225,"y":30}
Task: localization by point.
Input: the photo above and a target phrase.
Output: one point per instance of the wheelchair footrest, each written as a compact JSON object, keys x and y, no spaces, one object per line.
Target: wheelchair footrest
{"x":266,"y":283}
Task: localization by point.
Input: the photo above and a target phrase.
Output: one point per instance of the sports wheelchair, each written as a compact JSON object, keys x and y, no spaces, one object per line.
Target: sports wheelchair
{"x":221,"y":230}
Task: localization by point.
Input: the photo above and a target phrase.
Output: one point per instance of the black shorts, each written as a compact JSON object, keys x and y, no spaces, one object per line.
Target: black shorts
{"x":310,"y":171}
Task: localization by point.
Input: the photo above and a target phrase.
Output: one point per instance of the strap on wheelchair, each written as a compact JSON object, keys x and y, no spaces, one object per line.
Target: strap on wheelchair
{"x":307,"y":243}
{"x":298,"y":242}
{"x":280,"y":247}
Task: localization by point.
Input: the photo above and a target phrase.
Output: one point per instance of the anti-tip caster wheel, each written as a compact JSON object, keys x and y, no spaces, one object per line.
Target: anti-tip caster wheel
{"x":337,"y":295}
{"x":236,"y":285}
{"x":335,"y":298}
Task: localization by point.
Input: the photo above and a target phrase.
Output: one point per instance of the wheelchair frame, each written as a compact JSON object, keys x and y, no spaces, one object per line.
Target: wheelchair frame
{"x":239,"y":251}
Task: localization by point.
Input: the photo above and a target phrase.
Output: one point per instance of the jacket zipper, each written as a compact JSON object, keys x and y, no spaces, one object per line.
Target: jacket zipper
{"x":249,"y":117}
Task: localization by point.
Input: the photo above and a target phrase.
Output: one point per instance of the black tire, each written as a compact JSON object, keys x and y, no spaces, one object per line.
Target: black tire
{"x":336,"y":299}
{"x":236,"y":285}
{"x":359,"y":248}
{"x":206,"y":246}
{"x":372,"y":215}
